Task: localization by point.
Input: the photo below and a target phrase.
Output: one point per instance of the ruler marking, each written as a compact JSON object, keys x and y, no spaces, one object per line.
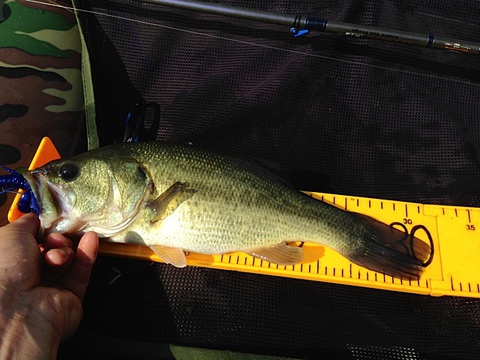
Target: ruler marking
{"x":367,"y":275}
{"x":381,"y":205}
{"x":346,"y":203}
{"x":334,"y":271}
{"x":350,"y":271}
{"x":369,"y":204}
{"x":394,"y":207}
{"x":418,"y":209}
{"x":301,"y":267}
{"x":238,"y":259}
{"x":326,"y":270}
{"x":310,"y":268}
{"x":318,"y":267}
{"x":443,"y":210}
{"x":456,"y":212}
{"x":221,"y":258}
{"x":334,"y":199}
{"x":478,"y":288}
{"x":461,"y":287}
{"x":376,"y":277}
{"x":343,"y":275}
{"x":358,"y":202}
{"x":451,"y":284}
{"x":469,"y":287}
{"x":406,"y":210}
{"x":469,"y":218}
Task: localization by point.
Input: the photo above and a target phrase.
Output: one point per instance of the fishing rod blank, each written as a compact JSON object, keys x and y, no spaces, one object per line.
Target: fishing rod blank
{"x":299,"y":23}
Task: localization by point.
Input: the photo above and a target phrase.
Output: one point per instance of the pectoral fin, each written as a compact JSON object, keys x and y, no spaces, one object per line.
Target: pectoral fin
{"x":281,"y":254}
{"x":170,"y":255}
{"x":169,"y":201}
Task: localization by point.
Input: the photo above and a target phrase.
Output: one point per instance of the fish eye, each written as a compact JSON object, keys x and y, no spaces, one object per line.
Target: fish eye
{"x":69,"y":171}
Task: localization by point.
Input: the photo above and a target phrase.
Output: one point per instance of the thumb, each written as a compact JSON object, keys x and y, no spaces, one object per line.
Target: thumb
{"x":27,"y":223}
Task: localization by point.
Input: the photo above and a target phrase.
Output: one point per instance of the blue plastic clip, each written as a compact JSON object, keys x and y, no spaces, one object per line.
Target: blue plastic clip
{"x":296,"y":32}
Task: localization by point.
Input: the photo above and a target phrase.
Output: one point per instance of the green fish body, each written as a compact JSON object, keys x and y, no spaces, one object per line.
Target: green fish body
{"x":175,"y":198}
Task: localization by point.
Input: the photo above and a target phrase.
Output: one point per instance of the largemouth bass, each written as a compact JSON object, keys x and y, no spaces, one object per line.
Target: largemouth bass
{"x":175,"y":198}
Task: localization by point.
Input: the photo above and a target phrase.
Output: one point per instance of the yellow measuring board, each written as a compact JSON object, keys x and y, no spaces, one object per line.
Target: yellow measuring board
{"x":454,"y":231}
{"x":455,"y":269}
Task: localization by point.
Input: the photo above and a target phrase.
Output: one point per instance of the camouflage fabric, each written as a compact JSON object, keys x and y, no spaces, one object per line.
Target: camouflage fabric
{"x":41,"y":92}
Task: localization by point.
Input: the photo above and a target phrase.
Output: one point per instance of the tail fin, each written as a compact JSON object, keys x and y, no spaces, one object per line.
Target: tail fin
{"x":390,"y":251}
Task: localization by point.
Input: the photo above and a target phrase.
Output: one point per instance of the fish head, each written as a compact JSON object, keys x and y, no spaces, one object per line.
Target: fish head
{"x":90,"y":192}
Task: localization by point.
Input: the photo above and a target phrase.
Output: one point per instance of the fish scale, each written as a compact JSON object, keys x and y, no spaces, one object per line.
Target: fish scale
{"x":253,"y":200}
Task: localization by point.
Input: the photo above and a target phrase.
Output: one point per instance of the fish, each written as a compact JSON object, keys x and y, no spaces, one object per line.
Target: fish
{"x":178,"y":198}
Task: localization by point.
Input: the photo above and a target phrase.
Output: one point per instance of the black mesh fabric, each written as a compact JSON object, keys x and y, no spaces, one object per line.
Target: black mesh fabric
{"x":376,"y":119}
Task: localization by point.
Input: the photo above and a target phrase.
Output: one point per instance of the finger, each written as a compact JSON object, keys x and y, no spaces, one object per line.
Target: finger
{"x":57,"y":256}
{"x":59,"y":259}
{"x":77,"y":277}
{"x":57,"y":263}
{"x":56,"y":240}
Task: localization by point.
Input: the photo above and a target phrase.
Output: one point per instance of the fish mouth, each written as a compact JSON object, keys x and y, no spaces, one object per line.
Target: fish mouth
{"x":53,"y":199}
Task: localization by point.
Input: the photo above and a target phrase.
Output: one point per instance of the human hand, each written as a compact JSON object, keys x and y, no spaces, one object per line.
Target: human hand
{"x":41,"y":288}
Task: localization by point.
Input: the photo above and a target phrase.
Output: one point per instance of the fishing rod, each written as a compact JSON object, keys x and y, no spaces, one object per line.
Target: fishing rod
{"x":299,"y":25}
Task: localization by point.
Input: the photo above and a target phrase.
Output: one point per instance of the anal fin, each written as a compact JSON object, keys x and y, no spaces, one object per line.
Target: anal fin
{"x":280,"y":254}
